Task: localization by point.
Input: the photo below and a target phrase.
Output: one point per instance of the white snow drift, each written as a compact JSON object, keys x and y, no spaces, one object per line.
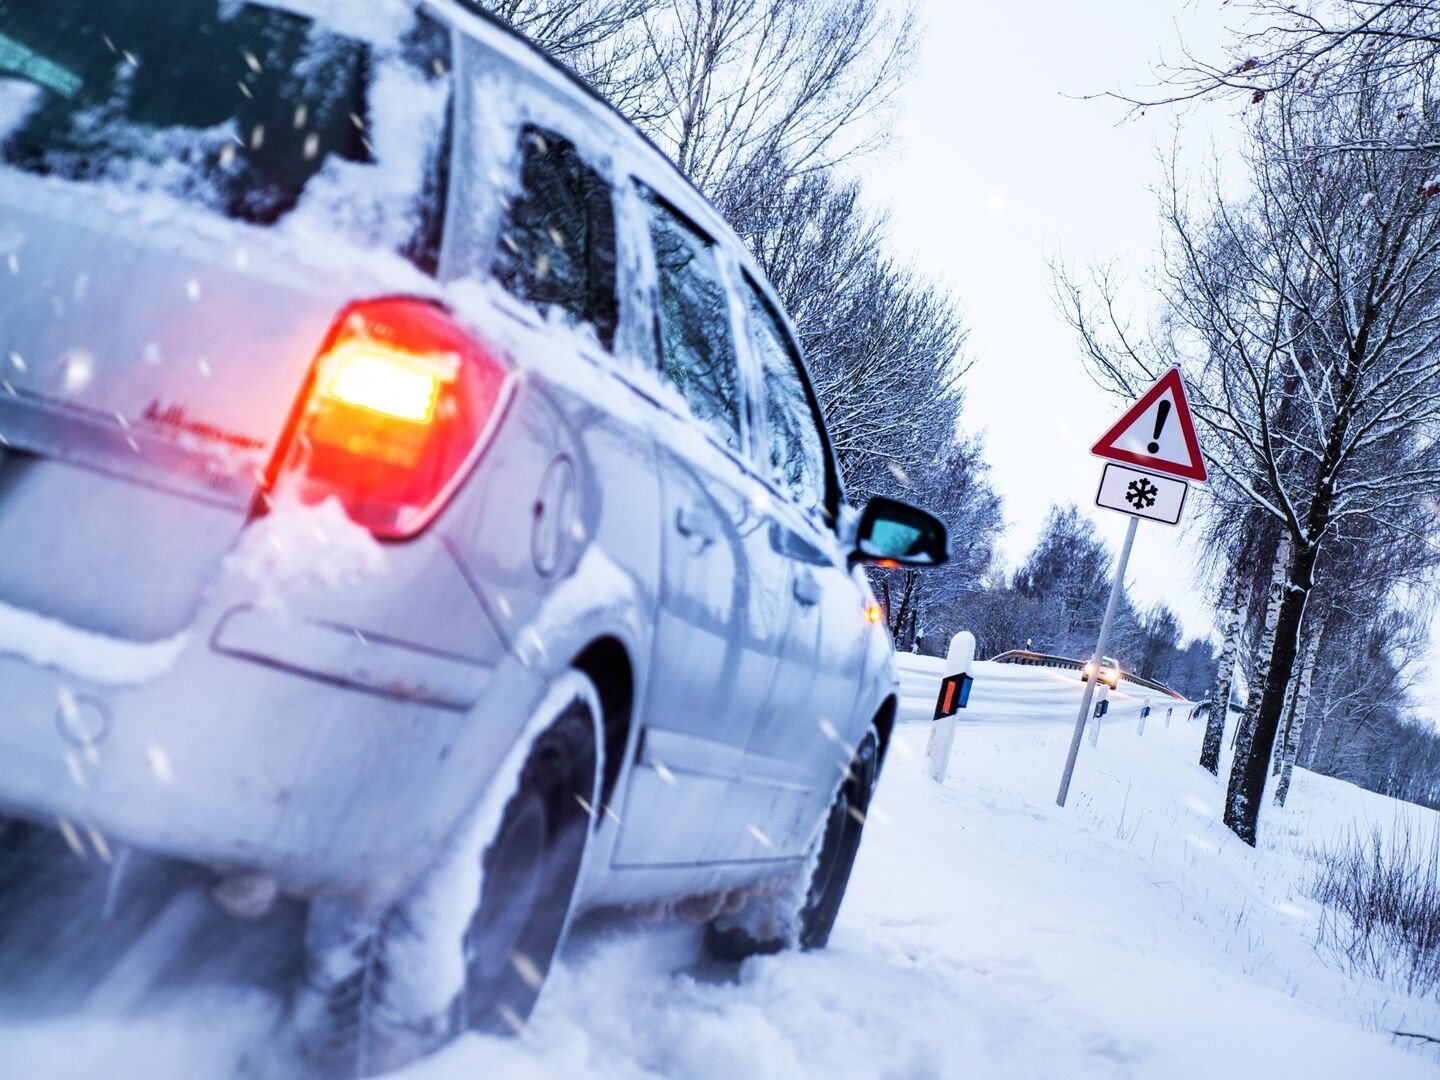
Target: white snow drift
{"x":988,"y":933}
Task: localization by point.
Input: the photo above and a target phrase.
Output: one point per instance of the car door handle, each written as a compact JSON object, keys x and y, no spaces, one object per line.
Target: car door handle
{"x":805,"y":587}
{"x":696,"y":526}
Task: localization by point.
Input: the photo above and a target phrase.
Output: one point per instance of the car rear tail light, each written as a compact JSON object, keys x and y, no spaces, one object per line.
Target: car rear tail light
{"x":399,"y":403}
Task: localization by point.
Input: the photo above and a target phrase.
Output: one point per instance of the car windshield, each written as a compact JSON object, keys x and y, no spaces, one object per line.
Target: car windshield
{"x":237,"y":106}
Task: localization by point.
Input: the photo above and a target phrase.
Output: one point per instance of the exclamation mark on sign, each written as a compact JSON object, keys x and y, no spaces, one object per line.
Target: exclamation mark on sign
{"x":1160,"y":417}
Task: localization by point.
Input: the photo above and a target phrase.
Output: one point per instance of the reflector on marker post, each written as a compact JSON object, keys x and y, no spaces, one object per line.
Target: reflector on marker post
{"x":954,"y":695}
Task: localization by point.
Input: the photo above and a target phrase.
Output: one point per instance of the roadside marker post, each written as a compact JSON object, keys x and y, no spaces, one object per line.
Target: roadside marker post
{"x":1152,"y":451}
{"x":1102,"y":706}
{"x":954,"y":696}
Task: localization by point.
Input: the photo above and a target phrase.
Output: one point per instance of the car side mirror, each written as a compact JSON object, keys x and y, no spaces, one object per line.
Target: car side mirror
{"x":891,"y":533}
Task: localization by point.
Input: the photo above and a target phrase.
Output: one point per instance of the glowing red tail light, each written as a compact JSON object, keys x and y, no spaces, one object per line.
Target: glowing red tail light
{"x":399,"y":402}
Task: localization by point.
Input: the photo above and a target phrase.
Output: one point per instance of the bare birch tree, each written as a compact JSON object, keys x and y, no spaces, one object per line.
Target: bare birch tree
{"x":601,"y":40}
{"x":1360,"y":730}
{"x":1317,"y":46}
{"x":793,"y":80}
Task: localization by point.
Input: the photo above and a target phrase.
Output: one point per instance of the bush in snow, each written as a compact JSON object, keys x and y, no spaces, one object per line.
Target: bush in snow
{"x":1383,"y":896}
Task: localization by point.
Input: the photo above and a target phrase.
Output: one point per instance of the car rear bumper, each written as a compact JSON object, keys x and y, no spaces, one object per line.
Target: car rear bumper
{"x":333,"y":759}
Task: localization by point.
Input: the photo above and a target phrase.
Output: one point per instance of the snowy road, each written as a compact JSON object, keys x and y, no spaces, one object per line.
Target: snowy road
{"x":987,"y":933}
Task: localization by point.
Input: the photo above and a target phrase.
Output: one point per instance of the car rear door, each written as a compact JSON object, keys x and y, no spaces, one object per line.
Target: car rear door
{"x":723,"y":598}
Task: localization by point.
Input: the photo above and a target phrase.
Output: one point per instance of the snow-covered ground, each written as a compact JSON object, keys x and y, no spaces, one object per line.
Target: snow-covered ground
{"x":988,"y":933}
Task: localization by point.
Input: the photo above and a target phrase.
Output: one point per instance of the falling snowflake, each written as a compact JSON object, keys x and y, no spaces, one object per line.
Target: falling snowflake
{"x":1141,"y":494}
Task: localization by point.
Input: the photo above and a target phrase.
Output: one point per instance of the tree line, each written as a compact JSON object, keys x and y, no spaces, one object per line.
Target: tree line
{"x":1054,"y":601}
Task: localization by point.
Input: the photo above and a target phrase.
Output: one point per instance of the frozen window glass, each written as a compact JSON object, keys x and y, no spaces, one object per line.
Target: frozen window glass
{"x":234,"y":105}
{"x":797,"y":454}
{"x":557,"y":237}
{"x":696,"y":347}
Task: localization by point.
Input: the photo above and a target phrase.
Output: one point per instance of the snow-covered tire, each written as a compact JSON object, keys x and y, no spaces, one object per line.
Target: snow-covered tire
{"x":384,"y":990}
{"x":832,"y":859}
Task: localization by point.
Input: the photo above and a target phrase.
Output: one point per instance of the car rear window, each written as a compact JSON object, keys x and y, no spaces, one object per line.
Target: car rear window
{"x":557,"y":237}
{"x":236,"y":105}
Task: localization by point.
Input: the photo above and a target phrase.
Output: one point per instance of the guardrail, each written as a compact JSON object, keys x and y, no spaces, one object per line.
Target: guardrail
{"x":1024,"y":656}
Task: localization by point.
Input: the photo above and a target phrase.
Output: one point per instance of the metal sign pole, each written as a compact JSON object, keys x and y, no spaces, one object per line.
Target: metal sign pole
{"x":1116,"y":586}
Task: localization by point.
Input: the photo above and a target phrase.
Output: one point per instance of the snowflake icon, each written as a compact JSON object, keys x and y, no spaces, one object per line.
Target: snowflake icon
{"x":1141,"y":494}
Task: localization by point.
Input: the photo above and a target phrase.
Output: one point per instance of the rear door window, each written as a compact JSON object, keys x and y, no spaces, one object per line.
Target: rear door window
{"x":235,"y":105}
{"x":697,"y":348}
{"x":556,"y":247}
{"x":796,"y":448}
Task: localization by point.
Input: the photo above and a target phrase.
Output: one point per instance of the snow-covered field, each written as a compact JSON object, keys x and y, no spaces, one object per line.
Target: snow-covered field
{"x":988,"y":933}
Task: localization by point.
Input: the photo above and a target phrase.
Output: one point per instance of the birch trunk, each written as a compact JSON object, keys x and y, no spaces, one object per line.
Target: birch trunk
{"x":1288,"y":593}
{"x":1224,"y":678}
{"x":1264,"y":650}
{"x":1286,"y":715}
{"x":1295,"y":731}
{"x":1314,"y":751}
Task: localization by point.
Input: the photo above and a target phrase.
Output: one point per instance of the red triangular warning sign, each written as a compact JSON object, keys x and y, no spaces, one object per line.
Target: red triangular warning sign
{"x":1157,"y":433}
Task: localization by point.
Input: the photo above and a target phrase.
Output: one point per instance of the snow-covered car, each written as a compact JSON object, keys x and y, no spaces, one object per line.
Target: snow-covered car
{"x":412,"y":500}
{"x":1109,"y":671}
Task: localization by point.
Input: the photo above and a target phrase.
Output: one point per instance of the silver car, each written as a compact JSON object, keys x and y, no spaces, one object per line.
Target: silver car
{"x":412,"y":501}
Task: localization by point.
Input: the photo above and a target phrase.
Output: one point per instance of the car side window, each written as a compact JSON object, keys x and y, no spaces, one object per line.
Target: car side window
{"x":556,"y":246}
{"x":693,"y":322}
{"x":796,"y":450}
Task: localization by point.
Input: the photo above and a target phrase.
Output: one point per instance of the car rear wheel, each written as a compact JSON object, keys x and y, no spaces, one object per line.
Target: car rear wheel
{"x":469,"y":946}
{"x":832,"y":859}
{"x":530,"y":873}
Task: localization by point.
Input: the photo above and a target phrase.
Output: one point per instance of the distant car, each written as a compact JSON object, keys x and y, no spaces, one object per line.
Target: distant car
{"x":412,"y":500}
{"x":1110,"y":673}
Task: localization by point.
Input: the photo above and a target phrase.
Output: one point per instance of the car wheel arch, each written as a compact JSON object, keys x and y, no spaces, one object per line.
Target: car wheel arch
{"x":606,"y":662}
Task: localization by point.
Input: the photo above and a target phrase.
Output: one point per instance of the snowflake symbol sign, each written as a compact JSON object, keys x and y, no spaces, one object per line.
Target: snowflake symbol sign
{"x":1141,"y":494}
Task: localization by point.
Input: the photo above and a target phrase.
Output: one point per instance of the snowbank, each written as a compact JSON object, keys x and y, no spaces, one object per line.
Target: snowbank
{"x":988,"y":933}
